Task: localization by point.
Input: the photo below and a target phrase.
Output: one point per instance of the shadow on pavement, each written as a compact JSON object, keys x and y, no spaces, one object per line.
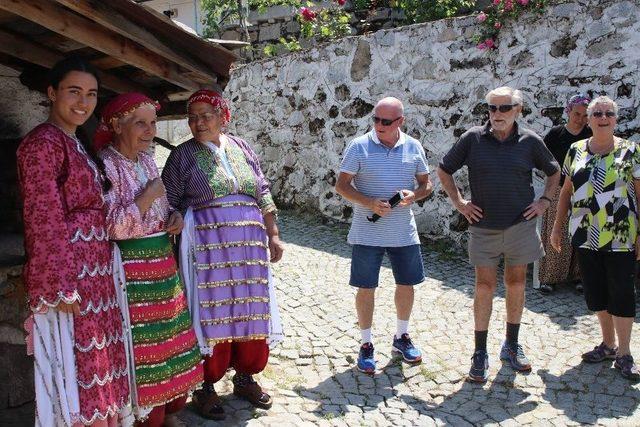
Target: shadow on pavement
{"x":493,"y":402}
{"x":587,"y":393}
{"x":367,"y":392}
{"x":499,"y":400}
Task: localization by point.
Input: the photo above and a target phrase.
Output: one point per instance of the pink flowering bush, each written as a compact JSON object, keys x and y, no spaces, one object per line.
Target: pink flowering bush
{"x":324,"y":23}
{"x":493,"y":18}
{"x":307,"y":14}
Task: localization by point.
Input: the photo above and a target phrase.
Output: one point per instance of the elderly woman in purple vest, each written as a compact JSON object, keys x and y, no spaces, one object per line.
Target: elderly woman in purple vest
{"x":229,"y":238}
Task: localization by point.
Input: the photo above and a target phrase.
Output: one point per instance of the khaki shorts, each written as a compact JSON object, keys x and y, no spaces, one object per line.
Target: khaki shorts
{"x":520,"y":244}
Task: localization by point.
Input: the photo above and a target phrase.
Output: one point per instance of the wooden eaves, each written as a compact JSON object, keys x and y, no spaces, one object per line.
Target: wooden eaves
{"x":134,"y":47}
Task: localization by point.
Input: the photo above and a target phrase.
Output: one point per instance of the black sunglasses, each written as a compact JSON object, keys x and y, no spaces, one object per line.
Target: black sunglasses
{"x":599,"y":114}
{"x":502,"y":108}
{"x":385,"y":122}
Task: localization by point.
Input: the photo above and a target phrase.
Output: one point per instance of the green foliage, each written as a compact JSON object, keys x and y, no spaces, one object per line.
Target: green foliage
{"x":498,"y":14}
{"x":262,"y":5}
{"x":217,"y":13}
{"x":283,"y":45}
{"x":363,"y":4}
{"x":416,"y":11}
{"x":328,"y":23}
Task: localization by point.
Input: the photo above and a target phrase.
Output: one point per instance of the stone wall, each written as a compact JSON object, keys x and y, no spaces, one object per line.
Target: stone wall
{"x":300,"y":110}
{"x":20,"y":111}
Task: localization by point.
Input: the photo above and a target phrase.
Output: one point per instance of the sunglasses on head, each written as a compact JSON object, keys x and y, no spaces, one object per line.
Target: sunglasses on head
{"x":599,"y":114}
{"x":385,"y":122}
{"x":502,"y":108}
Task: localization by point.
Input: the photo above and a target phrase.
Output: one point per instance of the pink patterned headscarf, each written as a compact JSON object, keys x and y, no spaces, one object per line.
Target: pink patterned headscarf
{"x":120,"y":106}
{"x":214,"y":99}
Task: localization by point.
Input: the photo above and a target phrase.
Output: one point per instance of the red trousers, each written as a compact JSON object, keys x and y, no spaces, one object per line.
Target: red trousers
{"x":156,"y":416}
{"x":246,"y":357}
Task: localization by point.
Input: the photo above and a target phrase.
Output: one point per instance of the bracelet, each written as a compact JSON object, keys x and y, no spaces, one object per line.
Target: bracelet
{"x":546,"y":198}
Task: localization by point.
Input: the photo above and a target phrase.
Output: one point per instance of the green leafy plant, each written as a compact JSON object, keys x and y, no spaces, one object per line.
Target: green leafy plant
{"x":500,"y":12}
{"x":290,"y":45}
{"x":416,"y":11}
{"x":262,"y":5}
{"x":324,"y":23}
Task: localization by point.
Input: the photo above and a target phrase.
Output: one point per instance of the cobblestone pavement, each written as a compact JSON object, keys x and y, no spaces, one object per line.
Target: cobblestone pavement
{"x":313,"y":379}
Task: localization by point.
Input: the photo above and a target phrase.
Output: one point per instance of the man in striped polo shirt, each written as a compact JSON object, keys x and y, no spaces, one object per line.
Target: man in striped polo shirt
{"x":500,"y":157}
{"x":375,"y":167}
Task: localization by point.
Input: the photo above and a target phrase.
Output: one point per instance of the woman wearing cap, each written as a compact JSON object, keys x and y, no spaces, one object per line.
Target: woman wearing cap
{"x":165,"y":361}
{"x":230,"y":230}
{"x":560,"y":267}
{"x":602,"y":191}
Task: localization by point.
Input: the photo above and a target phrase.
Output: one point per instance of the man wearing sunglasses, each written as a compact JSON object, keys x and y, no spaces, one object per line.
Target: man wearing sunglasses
{"x":500,"y":157}
{"x":376,"y":166}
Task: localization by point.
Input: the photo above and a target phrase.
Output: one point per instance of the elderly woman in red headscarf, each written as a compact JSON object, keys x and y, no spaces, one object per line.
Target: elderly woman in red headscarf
{"x":230,"y":235}
{"x":165,"y":362}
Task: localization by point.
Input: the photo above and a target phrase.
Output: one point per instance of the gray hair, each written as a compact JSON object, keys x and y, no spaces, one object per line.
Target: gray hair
{"x":515,"y":94}
{"x":602,"y":100}
{"x":128,"y":117}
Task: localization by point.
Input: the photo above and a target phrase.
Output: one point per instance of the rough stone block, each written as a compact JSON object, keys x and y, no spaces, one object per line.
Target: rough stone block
{"x":15,"y":390}
{"x":563,"y":47}
{"x":361,"y":61}
{"x":270,"y":32}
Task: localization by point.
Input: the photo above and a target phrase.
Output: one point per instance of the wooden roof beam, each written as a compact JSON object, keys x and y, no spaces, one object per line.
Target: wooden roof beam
{"x":57,"y":19}
{"x":213,"y":55}
{"x":28,"y":51}
{"x":99,"y":12}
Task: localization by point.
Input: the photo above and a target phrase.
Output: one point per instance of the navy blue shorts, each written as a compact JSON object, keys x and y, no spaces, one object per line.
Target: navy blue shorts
{"x":406,"y":264}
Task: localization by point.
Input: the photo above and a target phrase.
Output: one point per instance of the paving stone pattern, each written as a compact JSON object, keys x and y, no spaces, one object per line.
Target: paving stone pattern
{"x":313,"y":379}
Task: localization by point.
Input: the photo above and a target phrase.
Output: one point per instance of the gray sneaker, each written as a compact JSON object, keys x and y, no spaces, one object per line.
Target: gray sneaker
{"x":514,"y":354}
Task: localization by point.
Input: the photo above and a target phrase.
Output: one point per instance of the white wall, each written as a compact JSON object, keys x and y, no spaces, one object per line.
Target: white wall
{"x":189,"y":12}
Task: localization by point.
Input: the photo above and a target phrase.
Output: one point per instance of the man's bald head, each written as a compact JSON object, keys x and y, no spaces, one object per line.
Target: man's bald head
{"x":388,"y":116}
{"x":390,"y":105}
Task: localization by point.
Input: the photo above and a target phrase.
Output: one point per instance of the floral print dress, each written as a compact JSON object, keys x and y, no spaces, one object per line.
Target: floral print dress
{"x":69,"y":261}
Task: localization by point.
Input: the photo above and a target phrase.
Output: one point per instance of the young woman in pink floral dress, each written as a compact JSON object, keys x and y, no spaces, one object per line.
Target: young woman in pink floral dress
{"x":76,"y":327}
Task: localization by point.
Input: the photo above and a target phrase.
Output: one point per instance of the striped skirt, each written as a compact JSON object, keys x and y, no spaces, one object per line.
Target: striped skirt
{"x":166,"y":355}
{"x":232,"y":270}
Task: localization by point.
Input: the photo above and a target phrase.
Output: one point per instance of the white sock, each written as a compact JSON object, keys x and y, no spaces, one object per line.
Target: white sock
{"x":366,"y":335}
{"x":402,"y":327}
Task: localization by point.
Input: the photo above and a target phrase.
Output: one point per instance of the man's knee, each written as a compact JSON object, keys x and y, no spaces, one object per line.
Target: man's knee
{"x":486,"y":279}
{"x":515,"y":276}
{"x":485,"y":286}
{"x":365,"y":293}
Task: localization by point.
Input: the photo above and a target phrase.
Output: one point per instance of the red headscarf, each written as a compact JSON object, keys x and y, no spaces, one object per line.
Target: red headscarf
{"x":214,"y":99}
{"x":120,"y":106}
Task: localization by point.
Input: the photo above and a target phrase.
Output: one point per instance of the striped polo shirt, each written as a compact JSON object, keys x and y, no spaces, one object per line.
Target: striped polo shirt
{"x":380,"y":172}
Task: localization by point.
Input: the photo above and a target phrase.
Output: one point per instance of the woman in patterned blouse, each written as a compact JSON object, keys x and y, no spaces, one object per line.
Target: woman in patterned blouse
{"x":602,"y":189}
{"x":166,"y":359}
{"x":230,"y":235}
